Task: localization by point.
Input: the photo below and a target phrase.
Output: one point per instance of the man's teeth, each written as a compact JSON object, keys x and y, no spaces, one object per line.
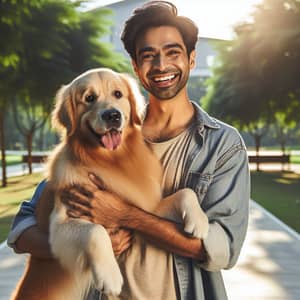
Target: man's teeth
{"x":165,"y":78}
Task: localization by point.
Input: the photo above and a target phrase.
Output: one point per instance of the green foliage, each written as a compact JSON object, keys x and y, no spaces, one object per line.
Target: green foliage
{"x":257,"y":73}
{"x":44,"y":44}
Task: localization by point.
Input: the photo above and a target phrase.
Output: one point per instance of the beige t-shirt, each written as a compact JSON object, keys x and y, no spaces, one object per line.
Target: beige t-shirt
{"x":148,"y":270}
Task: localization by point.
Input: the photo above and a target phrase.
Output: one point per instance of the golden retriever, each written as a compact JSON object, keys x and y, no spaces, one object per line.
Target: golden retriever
{"x":98,"y":113}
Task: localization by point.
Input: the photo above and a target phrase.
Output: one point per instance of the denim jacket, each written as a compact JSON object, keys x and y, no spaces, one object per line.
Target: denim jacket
{"x":217,"y":170}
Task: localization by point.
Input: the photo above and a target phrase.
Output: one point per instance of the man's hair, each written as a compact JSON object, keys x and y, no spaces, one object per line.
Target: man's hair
{"x":155,"y":14}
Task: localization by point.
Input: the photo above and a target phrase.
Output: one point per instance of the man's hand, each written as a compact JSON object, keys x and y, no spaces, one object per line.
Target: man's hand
{"x":94,"y":204}
{"x":91,"y":202}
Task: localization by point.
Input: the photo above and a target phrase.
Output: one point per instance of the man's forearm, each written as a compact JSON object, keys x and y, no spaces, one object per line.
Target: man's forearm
{"x":35,"y":242}
{"x":164,"y":234}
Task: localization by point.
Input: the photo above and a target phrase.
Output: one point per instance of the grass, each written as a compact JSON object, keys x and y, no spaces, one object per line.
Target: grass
{"x":12,"y":160}
{"x":279,"y":193}
{"x":19,"y":188}
{"x":295,"y":159}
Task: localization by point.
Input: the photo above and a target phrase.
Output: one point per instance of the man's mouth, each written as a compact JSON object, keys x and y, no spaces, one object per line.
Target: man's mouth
{"x":164,"y":80}
{"x":110,"y":140}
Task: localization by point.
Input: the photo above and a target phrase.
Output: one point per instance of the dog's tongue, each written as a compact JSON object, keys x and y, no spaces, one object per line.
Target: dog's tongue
{"x":111,"y":140}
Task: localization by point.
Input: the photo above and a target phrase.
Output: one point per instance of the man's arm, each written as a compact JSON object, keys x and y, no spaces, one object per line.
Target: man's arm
{"x":226,"y":204}
{"x":34,"y":241}
{"x":25,"y":236}
{"x":164,"y":234}
{"x":99,"y":206}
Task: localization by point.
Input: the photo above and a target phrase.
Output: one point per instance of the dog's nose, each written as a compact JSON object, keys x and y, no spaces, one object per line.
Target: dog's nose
{"x":112,"y":117}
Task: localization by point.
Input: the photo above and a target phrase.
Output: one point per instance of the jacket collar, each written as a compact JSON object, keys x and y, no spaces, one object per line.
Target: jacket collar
{"x":203,"y":119}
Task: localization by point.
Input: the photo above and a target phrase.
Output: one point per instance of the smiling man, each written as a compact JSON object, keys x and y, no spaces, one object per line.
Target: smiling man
{"x":195,"y":150}
{"x":162,"y":64}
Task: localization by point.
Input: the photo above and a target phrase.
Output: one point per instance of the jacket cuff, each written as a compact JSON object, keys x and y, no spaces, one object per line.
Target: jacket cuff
{"x":217,"y":249}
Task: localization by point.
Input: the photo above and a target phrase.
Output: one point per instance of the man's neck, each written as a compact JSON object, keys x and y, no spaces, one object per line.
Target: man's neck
{"x":167,"y":118}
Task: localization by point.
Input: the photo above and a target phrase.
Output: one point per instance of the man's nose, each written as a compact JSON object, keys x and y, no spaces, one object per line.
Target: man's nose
{"x":160,"y":62}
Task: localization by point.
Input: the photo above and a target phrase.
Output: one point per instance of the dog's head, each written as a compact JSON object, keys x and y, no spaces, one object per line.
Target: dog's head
{"x":98,"y":105}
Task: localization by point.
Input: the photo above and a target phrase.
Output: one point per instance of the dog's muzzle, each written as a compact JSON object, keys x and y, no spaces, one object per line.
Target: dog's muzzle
{"x":112,"y":118}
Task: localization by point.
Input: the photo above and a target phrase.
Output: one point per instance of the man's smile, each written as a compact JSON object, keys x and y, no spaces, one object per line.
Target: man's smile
{"x":165,"y":80}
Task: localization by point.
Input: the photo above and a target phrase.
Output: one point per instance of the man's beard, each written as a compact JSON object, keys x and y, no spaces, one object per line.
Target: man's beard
{"x":166,"y":93}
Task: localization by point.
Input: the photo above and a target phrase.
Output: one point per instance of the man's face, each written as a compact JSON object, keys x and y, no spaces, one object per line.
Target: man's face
{"x":162,"y":63}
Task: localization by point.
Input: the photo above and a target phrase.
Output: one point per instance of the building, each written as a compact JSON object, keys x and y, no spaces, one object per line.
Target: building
{"x":204,"y":49}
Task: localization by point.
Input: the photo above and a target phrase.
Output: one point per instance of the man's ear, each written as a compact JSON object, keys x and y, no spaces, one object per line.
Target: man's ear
{"x":192,"y":59}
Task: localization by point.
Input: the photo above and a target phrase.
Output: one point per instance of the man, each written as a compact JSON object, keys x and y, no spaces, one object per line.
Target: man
{"x":195,"y":150}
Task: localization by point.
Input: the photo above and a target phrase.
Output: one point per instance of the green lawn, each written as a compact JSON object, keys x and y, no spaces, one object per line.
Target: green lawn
{"x":279,"y":193}
{"x":295,"y":159}
{"x":12,"y":160}
{"x":18,"y":189}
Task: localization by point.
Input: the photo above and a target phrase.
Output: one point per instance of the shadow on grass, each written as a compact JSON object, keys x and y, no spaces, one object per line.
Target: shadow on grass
{"x":279,"y":193}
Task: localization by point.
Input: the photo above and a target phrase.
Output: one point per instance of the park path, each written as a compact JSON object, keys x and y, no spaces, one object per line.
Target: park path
{"x":268,"y":268}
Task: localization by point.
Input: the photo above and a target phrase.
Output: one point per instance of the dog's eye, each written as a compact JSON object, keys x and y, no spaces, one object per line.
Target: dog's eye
{"x":118,"y":94}
{"x":90,"y":98}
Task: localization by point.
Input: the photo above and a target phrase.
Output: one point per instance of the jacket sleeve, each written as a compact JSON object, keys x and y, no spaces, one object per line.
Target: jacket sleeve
{"x":227,"y":206}
{"x":25,"y":217}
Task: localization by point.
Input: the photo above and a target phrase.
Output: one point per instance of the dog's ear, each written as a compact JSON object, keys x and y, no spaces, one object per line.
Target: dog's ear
{"x":64,"y":113}
{"x":136,"y":99}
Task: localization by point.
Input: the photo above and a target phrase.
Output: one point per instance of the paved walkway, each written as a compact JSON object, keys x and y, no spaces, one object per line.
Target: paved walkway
{"x":269,"y":265}
{"x":22,"y":169}
{"x":268,"y":268}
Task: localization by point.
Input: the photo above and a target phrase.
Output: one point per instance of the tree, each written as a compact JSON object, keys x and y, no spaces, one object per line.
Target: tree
{"x":11,"y":15}
{"x":257,"y":73}
{"x":70,"y":46}
{"x":41,"y":66}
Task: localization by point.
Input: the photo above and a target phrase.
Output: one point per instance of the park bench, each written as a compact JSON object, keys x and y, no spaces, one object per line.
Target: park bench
{"x":35,"y":158}
{"x":270,"y":159}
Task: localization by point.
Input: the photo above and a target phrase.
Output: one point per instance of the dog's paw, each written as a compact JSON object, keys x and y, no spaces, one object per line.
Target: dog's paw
{"x":194,"y":218}
{"x":108,"y":278}
{"x":196,"y":224}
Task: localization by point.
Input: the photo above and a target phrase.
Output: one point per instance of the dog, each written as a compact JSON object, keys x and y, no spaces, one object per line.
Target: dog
{"x":99,"y":117}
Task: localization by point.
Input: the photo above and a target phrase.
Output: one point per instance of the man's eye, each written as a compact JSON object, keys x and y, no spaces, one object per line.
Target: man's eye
{"x":90,"y":98}
{"x":173,"y":53}
{"x":147,"y":57}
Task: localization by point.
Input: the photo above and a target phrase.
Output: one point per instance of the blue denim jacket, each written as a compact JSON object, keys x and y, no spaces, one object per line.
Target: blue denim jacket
{"x":217,"y":170}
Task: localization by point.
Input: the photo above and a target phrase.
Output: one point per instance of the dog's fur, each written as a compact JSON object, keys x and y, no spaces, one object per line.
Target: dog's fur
{"x":127,"y":167}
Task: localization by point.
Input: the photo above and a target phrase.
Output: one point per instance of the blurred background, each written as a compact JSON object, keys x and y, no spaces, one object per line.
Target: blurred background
{"x":247,"y":74}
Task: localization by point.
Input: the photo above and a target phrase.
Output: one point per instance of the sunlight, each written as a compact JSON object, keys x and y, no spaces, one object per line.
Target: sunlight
{"x":215,"y":18}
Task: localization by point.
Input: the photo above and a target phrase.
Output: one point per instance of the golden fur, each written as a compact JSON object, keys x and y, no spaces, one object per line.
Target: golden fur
{"x":83,"y":250}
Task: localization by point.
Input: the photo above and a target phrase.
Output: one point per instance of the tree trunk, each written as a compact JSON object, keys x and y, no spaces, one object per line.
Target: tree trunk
{"x":2,"y":142}
{"x":41,"y":139}
{"x":29,"y":138}
{"x":257,"y":138}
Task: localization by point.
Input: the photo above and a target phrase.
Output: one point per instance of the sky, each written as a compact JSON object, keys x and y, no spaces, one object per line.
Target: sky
{"x":215,"y":18}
